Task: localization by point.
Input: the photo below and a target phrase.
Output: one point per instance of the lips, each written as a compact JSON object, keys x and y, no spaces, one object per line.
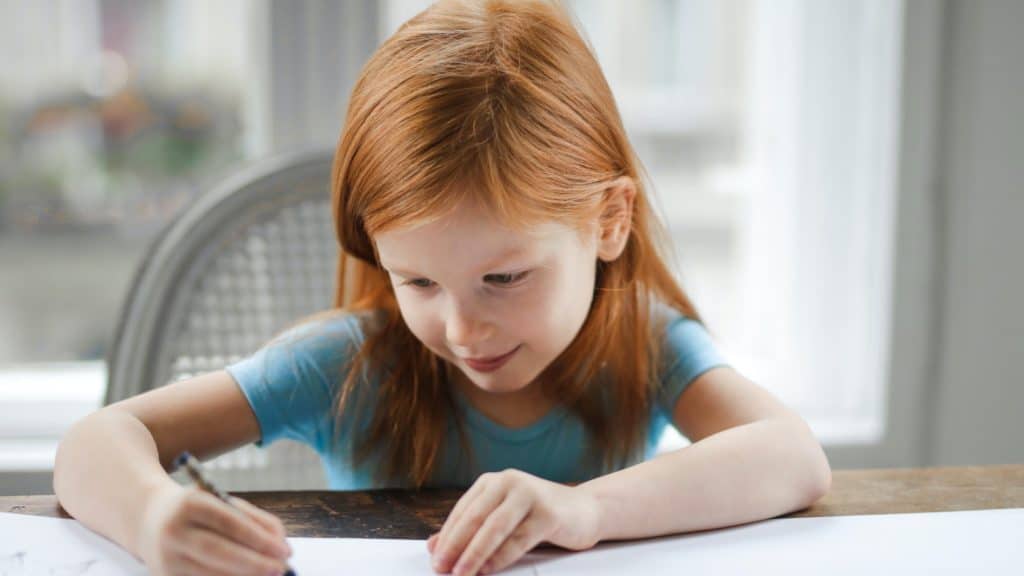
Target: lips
{"x":492,"y":363}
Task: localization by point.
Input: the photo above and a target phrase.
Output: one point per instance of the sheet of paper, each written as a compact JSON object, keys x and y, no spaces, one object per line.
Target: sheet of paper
{"x":45,"y":546}
{"x":932,"y":543}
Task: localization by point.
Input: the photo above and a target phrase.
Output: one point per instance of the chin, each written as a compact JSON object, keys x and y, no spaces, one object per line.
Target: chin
{"x":493,"y":383}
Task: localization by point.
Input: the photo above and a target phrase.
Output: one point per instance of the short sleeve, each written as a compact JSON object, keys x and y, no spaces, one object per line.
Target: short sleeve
{"x":688,"y":352}
{"x":292,"y":383}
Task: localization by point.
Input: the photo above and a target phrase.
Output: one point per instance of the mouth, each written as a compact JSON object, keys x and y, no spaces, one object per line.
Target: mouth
{"x":490,"y":364}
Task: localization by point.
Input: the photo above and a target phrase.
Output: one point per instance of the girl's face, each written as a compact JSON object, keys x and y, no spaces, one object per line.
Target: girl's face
{"x":470,"y":288}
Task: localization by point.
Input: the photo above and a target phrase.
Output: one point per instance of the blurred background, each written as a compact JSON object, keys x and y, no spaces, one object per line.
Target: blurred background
{"x":842,"y":182}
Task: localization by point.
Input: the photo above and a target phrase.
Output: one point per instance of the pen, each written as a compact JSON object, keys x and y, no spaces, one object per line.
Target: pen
{"x":192,"y":466}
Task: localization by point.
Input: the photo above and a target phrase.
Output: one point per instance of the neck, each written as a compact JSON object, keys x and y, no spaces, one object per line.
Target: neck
{"x":517,"y":409}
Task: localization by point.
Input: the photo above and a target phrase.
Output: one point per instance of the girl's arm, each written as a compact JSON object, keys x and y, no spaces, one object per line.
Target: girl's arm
{"x":111,"y":475}
{"x":752,"y":458}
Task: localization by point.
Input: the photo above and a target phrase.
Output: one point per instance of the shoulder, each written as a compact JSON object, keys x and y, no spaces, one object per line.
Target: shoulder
{"x":687,"y":351}
{"x":327,"y":339}
{"x":314,"y":348}
{"x":677,"y":332}
{"x":293,"y":381}
{"x":334,"y":332}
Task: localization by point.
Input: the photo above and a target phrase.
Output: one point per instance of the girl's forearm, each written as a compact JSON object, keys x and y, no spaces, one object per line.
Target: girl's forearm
{"x":747,"y":473}
{"x":106,"y":468}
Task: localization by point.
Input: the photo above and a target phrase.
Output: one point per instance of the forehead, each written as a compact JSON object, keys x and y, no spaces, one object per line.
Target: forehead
{"x":468,"y":232}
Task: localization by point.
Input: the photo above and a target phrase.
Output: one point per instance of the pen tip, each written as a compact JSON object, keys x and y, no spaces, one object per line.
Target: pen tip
{"x":290,"y":573}
{"x":180,"y":461}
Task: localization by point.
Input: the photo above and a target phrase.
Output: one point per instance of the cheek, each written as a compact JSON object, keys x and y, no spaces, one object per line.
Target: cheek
{"x":418,"y":318}
{"x":553,"y":309}
{"x":565,"y":293}
{"x":568,"y":304}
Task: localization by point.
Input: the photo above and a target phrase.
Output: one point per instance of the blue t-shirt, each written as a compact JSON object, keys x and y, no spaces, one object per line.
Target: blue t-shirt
{"x":292,"y":385}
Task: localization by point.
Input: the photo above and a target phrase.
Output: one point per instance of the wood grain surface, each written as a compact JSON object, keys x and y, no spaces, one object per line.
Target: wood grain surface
{"x":407,"y":514}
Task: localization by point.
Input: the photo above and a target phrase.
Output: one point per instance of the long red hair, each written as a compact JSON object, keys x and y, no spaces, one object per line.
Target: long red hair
{"x":506,"y":99}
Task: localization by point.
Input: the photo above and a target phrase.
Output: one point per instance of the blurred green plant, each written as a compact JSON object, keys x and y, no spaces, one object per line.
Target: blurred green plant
{"x":76,"y":161}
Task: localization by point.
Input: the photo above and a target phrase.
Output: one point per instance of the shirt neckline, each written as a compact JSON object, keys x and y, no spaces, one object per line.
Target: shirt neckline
{"x":503,"y":433}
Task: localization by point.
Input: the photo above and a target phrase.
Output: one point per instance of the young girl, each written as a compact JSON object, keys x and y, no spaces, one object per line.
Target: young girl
{"x":505,"y":322}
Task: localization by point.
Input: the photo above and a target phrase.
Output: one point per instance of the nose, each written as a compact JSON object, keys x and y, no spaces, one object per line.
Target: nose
{"x":465,"y":327}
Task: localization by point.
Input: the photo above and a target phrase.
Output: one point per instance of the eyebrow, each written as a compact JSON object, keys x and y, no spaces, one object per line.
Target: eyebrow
{"x":515,"y":252}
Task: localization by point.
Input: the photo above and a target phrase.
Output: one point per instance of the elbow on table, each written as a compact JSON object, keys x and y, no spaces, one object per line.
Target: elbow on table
{"x":819,"y":479}
{"x":815,"y":479}
{"x":812,"y":478}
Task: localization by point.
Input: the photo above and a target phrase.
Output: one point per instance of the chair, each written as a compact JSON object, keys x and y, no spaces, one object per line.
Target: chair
{"x":249,"y":258}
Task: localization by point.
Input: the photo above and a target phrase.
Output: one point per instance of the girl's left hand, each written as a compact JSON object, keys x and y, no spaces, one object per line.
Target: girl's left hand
{"x":504,"y":515}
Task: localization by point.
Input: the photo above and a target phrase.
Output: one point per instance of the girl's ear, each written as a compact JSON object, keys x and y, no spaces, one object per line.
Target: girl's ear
{"x":616,"y":218}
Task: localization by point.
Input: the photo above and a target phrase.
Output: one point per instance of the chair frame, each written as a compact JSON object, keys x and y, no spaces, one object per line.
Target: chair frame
{"x":137,"y":358}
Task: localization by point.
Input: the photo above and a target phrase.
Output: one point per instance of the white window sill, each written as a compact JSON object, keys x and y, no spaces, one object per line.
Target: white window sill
{"x":38,"y":403}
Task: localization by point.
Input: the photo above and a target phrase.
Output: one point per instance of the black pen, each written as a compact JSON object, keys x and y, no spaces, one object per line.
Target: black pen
{"x":194,"y":470}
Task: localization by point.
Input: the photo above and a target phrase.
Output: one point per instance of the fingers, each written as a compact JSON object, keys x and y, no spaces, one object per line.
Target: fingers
{"x":208,"y":511}
{"x":189,"y":567}
{"x":432,"y":543}
{"x":458,"y":529}
{"x":264,"y":518}
{"x":466,"y":500}
{"x":526,"y":537}
{"x":492,"y":534}
{"x":455,"y":515}
{"x":216,"y":553}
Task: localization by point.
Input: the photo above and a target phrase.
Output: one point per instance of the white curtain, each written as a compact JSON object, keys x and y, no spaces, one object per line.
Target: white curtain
{"x":817,"y":241}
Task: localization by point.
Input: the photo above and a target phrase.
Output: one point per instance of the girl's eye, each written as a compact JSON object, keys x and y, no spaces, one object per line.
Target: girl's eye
{"x":509,"y":279}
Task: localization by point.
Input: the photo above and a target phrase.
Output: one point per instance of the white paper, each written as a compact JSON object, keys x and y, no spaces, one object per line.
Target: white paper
{"x":927,"y":543}
{"x":44,"y":546}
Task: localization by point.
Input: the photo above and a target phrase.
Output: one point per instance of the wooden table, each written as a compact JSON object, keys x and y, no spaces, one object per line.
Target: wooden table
{"x":401,"y":514}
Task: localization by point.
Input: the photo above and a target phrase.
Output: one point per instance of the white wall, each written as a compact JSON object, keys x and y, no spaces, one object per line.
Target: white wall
{"x":977,"y":396}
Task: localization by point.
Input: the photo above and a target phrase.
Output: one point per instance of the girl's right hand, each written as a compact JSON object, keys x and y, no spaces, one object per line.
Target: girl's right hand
{"x":188,"y":531}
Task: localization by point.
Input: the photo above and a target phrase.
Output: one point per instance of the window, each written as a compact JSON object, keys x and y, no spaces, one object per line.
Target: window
{"x":114,"y":113}
{"x":767,"y":130}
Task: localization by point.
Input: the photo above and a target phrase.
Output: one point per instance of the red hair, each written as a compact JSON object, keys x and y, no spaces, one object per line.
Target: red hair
{"x":505,"y":99}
